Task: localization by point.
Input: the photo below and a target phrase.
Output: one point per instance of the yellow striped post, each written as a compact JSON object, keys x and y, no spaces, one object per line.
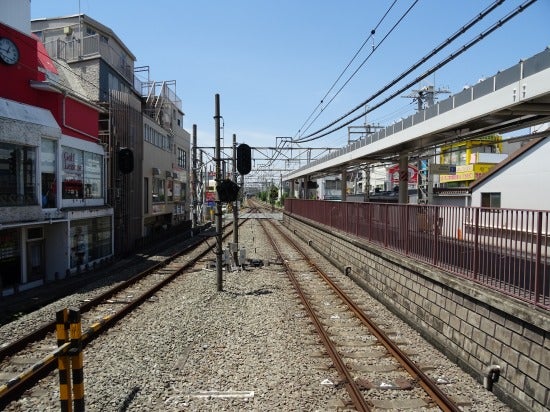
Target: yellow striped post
{"x":77,"y":359}
{"x":65,"y":389}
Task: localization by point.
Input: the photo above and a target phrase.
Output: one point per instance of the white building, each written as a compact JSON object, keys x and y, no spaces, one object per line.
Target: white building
{"x":519,"y":182}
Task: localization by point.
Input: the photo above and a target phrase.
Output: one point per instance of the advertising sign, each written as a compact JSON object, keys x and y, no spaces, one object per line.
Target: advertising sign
{"x":412,"y":174}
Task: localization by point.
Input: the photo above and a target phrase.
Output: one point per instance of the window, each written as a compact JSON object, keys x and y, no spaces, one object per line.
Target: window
{"x":177,"y":191}
{"x":170,"y":190}
{"x":116,"y":83}
{"x":17,"y":175}
{"x":182,"y":158}
{"x":10,"y":256}
{"x":88,"y":31}
{"x":490,"y":200}
{"x":461,"y":160}
{"x":72,"y":168}
{"x":93,"y":172}
{"x":91,"y":239}
{"x":183,"y":193}
{"x":146,"y":195}
{"x":47,"y":168}
{"x":158,"y":190}
{"x":158,"y":139}
{"x":81,"y":174}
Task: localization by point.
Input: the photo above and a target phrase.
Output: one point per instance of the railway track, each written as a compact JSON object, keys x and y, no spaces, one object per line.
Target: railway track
{"x":373,"y":368}
{"x":202,"y":350}
{"x":28,"y":359}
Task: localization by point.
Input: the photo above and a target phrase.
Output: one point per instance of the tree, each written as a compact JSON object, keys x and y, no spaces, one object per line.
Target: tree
{"x":273,"y":194}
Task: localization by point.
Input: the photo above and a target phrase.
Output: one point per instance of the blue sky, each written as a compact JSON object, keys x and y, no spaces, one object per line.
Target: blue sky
{"x":273,"y":61}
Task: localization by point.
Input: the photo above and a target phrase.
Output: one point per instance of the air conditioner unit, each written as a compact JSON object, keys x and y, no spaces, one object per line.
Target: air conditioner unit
{"x":68,"y":30}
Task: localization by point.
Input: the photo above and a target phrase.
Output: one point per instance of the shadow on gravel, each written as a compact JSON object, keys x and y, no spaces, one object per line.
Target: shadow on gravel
{"x":129,"y":399}
{"x":257,"y":292}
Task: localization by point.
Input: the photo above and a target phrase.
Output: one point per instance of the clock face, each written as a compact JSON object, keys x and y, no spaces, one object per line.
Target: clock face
{"x":9,"y":53}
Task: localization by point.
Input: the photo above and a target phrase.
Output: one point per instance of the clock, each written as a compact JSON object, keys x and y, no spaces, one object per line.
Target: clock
{"x":9,"y":53}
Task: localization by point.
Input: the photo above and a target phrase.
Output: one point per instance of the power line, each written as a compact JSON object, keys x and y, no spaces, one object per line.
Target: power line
{"x":449,"y":58}
{"x":364,"y":61}
{"x":343,"y":71}
{"x":458,"y":33}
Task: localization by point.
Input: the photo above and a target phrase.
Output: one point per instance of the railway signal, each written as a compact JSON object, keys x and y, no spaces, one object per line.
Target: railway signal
{"x":228,"y":191}
{"x":125,"y":160}
{"x":244,"y":159}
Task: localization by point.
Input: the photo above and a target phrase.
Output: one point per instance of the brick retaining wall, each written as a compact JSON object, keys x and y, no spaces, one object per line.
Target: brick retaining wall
{"x":474,"y":326}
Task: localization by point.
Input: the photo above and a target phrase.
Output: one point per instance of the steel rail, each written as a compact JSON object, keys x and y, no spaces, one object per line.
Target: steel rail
{"x":351,"y":386}
{"x":48,"y":327}
{"x":429,"y":386}
{"x":15,"y":387}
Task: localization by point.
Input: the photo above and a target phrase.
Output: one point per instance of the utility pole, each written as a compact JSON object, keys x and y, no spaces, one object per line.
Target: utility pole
{"x":194,"y":185}
{"x":425,"y":97}
{"x":235,"y":208}
{"x":219,"y":234}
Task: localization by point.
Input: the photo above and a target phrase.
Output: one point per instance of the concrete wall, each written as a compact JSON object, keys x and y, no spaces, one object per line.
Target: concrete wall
{"x":474,"y":326}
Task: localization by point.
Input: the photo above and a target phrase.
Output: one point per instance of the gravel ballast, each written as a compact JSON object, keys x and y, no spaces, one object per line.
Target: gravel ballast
{"x":248,"y":347}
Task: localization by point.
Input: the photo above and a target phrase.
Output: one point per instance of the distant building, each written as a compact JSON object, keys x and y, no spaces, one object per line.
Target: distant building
{"x":141,"y":115}
{"x":472,"y":158}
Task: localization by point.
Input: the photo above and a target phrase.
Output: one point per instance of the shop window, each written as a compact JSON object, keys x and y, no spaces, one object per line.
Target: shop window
{"x":82,"y":174}
{"x":47,"y":167}
{"x":17,"y":175}
{"x":35,"y":260}
{"x":93,"y":168}
{"x":146,"y":195}
{"x":10,"y":258}
{"x":91,"y":239}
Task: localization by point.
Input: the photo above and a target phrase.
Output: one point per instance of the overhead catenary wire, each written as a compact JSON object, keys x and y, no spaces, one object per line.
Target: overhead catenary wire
{"x":317,"y":134}
{"x":449,"y":58}
{"x":284,"y":142}
{"x":371,"y":35}
{"x":365,"y":60}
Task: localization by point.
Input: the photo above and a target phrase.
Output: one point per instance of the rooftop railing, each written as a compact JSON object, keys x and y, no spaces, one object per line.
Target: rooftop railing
{"x":92,"y":46}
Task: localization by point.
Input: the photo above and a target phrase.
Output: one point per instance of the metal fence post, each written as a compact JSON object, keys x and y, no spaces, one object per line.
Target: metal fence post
{"x":77,"y":363}
{"x":65,"y":387}
{"x":538,"y":259}
{"x":475,"y":262}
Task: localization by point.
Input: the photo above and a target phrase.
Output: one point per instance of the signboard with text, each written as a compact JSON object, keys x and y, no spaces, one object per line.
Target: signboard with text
{"x":442,"y":169}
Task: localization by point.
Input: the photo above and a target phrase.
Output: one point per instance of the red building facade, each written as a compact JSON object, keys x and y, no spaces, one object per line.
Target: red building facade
{"x":52,"y":169}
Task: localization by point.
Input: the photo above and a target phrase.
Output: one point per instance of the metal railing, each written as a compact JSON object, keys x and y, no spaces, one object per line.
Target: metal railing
{"x":504,"y":249}
{"x":92,"y":46}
